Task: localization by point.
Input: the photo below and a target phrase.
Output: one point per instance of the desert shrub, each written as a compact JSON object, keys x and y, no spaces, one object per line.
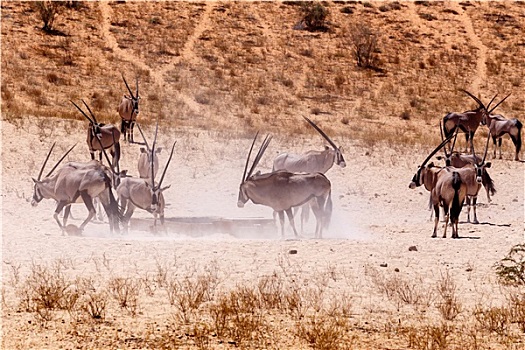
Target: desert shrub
{"x":314,"y":15}
{"x":449,"y":305}
{"x":511,"y":269}
{"x":364,"y":42}
{"x":126,"y":292}
{"x":47,"y":12}
{"x":493,"y":319}
{"x":323,"y":332}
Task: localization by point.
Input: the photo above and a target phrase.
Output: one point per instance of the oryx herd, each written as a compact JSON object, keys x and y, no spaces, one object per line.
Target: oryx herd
{"x":462,"y":175}
{"x":296,"y":180}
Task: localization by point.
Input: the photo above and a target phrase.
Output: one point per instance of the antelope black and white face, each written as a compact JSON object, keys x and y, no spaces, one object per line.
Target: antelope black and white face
{"x":135,"y":106}
{"x":339,"y":159}
{"x":416,"y":179}
{"x":37,"y":194}
{"x":480,"y":169}
{"x":243,"y":196}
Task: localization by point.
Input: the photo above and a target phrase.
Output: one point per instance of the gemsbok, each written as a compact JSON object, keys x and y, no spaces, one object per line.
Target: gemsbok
{"x":73,"y":182}
{"x":283,"y":190}
{"x":469,"y":121}
{"x":144,"y":193}
{"x":101,"y":137}
{"x":449,"y":193}
{"x":445,"y":187}
{"x":128,"y":110}
{"x":147,"y":158}
{"x":311,"y":162}
{"x":459,"y":160}
{"x":499,"y":126}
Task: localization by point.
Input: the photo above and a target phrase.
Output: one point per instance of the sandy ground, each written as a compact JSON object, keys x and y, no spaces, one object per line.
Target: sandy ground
{"x":376,"y":219}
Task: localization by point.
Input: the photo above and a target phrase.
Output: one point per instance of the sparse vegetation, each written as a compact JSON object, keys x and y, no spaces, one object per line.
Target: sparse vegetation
{"x":314,"y":15}
{"x":47,"y":12}
{"x":511,"y":269}
{"x":364,"y":42}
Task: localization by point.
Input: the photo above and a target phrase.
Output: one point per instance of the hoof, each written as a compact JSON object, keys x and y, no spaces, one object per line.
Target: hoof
{"x":72,"y":230}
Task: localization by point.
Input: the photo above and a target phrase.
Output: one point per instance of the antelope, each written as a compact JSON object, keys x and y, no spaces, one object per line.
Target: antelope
{"x":143,"y":193}
{"x":468,"y":121}
{"x":446,"y":189}
{"x":282,"y":190}
{"x":311,"y":162}
{"x":473,"y":176}
{"x":449,"y":192}
{"x":101,"y":137}
{"x":147,"y":159}
{"x":458,"y":160}
{"x":71,"y":183}
{"x":128,"y":110}
{"x":499,"y":126}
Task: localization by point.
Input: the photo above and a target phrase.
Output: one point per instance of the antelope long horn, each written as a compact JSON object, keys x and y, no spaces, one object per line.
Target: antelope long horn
{"x":125,"y":82}
{"x":45,"y":161}
{"x":475,"y":99}
{"x":443,"y":143}
{"x":167,"y":164}
{"x":137,"y":83}
{"x":442,"y":138}
{"x":143,"y":137}
{"x":89,"y":110}
{"x":486,"y":148}
{"x":248,"y":159}
{"x":488,"y":106}
{"x":83,"y":113}
{"x":320,"y":132}
{"x":455,"y":138}
{"x":259,"y":155}
{"x":60,"y":161}
{"x":500,"y":102}
{"x":153,"y":155}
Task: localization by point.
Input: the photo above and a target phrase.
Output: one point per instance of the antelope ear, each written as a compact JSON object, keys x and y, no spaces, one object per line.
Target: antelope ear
{"x":440,"y":157}
{"x":488,"y":164}
{"x":142,"y":150}
{"x":35,"y":180}
{"x":158,"y":150}
{"x":430,"y":165}
{"x":165,"y":188}
{"x":326,"y":148}
{"x":341,"y":149}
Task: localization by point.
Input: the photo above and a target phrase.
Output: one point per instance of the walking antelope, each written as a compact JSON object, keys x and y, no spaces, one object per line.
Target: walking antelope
{"x":147,"y":158}
{"x":283,"y":190}
{"x":128,"y":110}
{"x":143,"y":193}
{"x":468,"y":121}
{"x":499,"y":126}
{"x":71,"y":183}
{"x":311,"y":162}
{"x":101,"y":137}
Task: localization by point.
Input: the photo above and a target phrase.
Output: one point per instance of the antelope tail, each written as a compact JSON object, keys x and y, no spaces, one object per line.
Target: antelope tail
{"x":488,"y":183}
{"x":455,"y":209}
{"x":517,"y":139}
{"x":327,"y":211}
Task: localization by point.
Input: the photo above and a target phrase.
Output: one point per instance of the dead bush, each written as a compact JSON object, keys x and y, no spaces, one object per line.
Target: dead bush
{"x":493,"y":319}
{"x":323,"y":332}
{"x":449,"y":305}
{"x":511,"y":269}
{"x":125,"y":291}
{"x":47,"y":12}
{"x":364,"y":42}
{"x":314,"y":15}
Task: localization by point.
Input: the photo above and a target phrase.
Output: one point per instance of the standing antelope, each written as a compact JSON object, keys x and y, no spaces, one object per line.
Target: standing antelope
{"x":128,"y":110}
{"x":311,"y":162}
{"x":71,"y":183}
{"x":458,"y":160}
{"x":147,"y":159}
{"x":101,"y":137}
{"x":445,"y":187}
{"x":499,"y":126}
{"x":283,"y":190}
{"x":449,"y":193}
{"x":468,"y":121}
{"x":143,"y":193}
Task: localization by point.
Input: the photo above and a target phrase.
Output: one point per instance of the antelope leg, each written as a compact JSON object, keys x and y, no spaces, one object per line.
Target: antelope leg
{"x":290,"y":218}
{"x":88,"y":201}
{"x":59,"y":208}
{"x":281,"y":220}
